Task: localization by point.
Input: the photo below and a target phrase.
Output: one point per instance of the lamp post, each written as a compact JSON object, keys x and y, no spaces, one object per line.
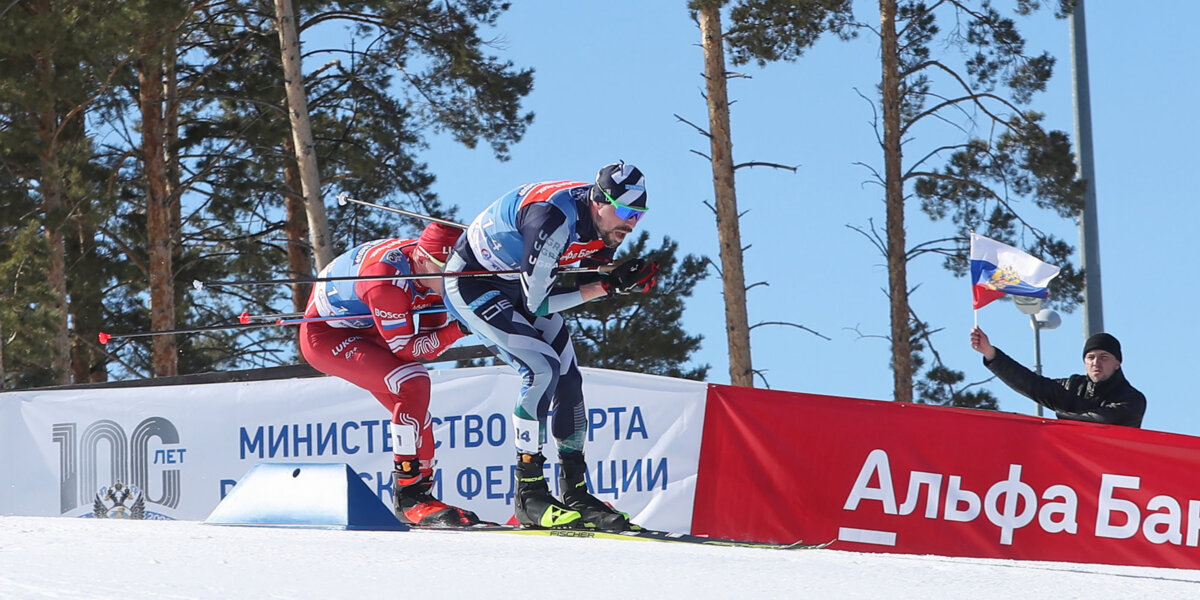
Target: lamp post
{"x":1039,"y":318}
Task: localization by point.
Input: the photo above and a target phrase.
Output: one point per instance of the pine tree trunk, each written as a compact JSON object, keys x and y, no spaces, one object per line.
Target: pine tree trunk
{"x":737,"y":328}
{"x":86,"y":286}
{"x":171,"y":171}
{"x":51,"y":189}
{"x":85,"y":281}
{"x":306,"y":156}
{"x":159,"y":212}
{"x":60,"y":355}
{"x":299,"y":258}
{"x":897,"y":259}
{"x":3,"y":375}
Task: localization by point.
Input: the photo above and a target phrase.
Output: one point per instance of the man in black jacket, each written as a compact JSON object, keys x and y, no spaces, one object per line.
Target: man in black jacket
{"x":1101,"y":396}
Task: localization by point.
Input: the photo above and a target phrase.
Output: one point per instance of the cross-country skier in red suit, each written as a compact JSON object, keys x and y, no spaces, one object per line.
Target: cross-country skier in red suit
{"x":378,"y":348}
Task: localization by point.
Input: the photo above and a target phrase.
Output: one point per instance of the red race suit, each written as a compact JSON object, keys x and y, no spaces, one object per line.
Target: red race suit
{"x":379,"y":343}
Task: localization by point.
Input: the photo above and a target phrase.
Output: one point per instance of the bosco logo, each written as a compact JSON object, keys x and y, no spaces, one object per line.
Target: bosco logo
{"x":109,"y":472}
{"x":387,"y":314}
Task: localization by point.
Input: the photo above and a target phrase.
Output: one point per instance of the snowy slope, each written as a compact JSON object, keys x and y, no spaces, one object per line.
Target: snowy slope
{"x":55,"y":557}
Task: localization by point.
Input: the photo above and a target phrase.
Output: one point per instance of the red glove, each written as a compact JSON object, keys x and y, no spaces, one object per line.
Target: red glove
{"x":431,"y":344}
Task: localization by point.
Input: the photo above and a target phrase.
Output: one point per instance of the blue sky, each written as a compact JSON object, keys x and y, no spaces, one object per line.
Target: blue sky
{"x":610,"y":76}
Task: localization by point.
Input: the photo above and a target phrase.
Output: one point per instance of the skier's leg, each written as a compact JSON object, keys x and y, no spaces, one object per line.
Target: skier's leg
{"x":362,"y":358}
{"x":569,"y":427}
{"x":512,"y":337}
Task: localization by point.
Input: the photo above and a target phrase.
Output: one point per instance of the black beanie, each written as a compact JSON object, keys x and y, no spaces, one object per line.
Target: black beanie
{"x":1105,"y":342}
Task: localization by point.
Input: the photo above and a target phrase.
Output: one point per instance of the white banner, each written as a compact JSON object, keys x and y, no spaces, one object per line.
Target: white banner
{"x":181,"y":448}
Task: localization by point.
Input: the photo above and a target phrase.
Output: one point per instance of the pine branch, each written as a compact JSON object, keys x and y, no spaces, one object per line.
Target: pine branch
{"x":698,"y":129}
{"x":766,"y":164}
{"x":816,"y":333}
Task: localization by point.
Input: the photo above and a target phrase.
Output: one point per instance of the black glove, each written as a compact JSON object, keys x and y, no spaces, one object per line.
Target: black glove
{"x":634,"y":276}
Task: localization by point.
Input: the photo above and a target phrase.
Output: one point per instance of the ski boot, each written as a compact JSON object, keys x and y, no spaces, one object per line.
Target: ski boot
{"x":573,"y":484}
{"x":535,"y":506}
{"x":415,"y":506}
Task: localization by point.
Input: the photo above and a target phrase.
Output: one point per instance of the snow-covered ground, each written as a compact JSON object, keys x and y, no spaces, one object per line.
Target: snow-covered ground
{"x":56,"y":557}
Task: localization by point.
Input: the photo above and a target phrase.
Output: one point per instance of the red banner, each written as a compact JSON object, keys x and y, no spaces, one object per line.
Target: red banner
{"x":888,"y":477}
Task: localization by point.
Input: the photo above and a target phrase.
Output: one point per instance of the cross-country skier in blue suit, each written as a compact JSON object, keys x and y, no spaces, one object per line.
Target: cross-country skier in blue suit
{"x":536,"y":229}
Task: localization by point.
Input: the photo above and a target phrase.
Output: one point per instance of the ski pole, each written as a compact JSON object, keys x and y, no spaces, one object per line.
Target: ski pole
{"x":246,"y":317}
{"x":244,"y":323}
{"x":344,"y":198}
{"x":423,"y":311}
{"x":106,"y":337}
{"x":200,"y":285}
{"x":283,"y":318}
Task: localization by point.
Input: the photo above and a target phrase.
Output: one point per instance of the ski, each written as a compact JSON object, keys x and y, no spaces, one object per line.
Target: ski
{"x":649,"y":535}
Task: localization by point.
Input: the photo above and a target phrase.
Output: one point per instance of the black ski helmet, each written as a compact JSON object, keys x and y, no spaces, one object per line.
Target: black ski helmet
{"x":622,"y":183}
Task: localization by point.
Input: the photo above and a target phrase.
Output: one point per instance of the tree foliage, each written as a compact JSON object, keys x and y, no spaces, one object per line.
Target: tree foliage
{"x":171,"y":148}
{"x":767,"y":31}
{"x":26,"y":317}
{"x":642,"y":333}
{"x":409,"y":69}
{"x":55,"y":59}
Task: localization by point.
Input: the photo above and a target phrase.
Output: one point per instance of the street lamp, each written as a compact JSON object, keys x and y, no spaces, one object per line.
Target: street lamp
{"x":1039,"y":318}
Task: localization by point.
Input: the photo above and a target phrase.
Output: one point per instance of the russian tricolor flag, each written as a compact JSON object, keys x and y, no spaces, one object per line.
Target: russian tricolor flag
{"x":998,"y":269}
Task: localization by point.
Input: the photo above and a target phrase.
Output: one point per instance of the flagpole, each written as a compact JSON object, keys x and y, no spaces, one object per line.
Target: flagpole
{"x":971,"y":252}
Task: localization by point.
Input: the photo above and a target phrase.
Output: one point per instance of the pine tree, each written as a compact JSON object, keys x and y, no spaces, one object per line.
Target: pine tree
{"x":766,"y":31}
{"x":230,"y":169}
{"x":27,"y":318}
{"x":1006,"y":157}
{"x":56,"y":59}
